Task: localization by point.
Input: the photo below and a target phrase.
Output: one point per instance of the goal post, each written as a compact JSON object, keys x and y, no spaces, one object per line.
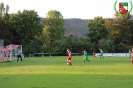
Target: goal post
{"x":8,"y":53}
{"x":14,"y":50}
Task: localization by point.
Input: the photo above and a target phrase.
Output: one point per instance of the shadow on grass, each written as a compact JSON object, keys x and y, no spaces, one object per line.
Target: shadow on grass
{"x":6,"y":61}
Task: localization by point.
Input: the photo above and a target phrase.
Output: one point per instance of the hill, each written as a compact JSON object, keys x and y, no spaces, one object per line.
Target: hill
{"x":75,"y":26}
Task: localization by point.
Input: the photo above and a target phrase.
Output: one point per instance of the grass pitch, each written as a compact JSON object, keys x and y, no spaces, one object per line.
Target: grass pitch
{"x":53,"y":72}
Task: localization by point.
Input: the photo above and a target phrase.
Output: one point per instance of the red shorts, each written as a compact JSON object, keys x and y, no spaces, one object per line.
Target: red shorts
{"x":69,"y":58}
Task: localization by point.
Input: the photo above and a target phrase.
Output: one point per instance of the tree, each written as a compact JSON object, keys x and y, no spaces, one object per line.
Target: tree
{"x":2,"y":9}
{"x":54,"y":26}
{"x":107,"y":45}
{"x":44,"y":37}
{"x":26,"y":28}
{"x":5,"y":31}
{"x":121,"y":47}
{"x":109,"y":27}
{"x":59,"y":46}
{"x":124,"y":27}
{"x":5,"y":28}
{"x":34,"y":46}
{"x":97,"y":29}
{"x":120,"y":28}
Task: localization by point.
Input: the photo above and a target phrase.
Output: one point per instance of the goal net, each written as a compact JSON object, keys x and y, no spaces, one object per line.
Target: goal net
{"x":8,"y":53}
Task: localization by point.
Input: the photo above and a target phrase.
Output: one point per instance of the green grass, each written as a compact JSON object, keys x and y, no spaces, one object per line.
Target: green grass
{"x":53,"y":72}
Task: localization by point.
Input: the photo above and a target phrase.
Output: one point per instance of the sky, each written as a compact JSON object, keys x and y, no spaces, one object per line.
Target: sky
{"x":83,"y":9}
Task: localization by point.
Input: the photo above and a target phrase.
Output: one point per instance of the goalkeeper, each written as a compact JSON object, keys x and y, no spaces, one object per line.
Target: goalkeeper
{"x":19,"y":55}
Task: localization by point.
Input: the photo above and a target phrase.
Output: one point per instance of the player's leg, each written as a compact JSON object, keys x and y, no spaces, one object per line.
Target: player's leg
{"x":69,"y":61}
{"x":17,"y":58}
{"x":87,"y":59}
{"x":100,"y":56}
{"x":84,"y":60}
{"x":20,"y":57}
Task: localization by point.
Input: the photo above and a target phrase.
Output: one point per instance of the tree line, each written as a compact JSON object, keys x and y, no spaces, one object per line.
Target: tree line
{"x":26,"y":28}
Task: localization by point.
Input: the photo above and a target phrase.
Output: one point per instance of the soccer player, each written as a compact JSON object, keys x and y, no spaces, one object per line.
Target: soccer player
{"x":94,"y":53}
{"x":69,"y":57}
{"x":19,"y":55}
{"x":130,"y":53}
{"x":132,"y":56}
{"x":101,"y":54}
{"x":85,"y":56}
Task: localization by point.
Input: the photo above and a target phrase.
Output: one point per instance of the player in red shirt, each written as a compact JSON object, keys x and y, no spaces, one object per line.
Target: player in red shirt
{"x":132,"y":56}
{"x":94,"y":54}
{"x":69,"y":57}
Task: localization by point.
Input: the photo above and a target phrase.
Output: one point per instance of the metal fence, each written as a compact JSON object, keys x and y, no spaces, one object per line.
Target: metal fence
{"x":55,"y":54}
